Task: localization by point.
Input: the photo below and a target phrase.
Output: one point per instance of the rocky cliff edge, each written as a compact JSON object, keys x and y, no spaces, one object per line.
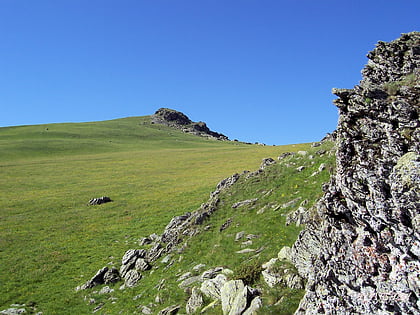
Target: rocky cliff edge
{"x":360,"y":255}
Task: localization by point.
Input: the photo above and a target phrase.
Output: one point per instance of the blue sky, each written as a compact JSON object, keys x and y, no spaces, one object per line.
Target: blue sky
{"x":257,"y":71}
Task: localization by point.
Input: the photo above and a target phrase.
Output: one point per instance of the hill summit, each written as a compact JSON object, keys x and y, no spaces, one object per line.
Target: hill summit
{"x":178,"y":120}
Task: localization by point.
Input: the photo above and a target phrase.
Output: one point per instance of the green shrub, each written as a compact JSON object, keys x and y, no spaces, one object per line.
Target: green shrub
{"x":249,"y":272}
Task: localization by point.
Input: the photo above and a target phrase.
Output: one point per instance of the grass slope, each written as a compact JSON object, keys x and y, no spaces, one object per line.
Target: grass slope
{"x":50,"y":241}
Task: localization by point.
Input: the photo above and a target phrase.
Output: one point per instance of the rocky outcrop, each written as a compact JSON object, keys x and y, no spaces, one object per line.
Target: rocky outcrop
{"x":180,"y":227}
{"x":178,"y":120}
{"x":361,"y":254}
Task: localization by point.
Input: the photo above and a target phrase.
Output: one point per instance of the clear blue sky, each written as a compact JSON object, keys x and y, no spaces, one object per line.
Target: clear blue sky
{"x":258,"y":71}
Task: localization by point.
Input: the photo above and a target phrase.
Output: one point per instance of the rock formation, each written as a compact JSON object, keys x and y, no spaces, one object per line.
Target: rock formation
{"x":178,"y":120}
{"x":360,"y":254}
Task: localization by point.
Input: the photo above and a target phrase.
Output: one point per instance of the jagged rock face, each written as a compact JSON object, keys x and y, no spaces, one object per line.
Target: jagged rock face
{"x":179,"y":120}
{"x":362,"y":254}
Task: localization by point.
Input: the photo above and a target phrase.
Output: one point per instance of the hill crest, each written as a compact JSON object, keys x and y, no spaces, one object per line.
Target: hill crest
{"x":178,"y":120}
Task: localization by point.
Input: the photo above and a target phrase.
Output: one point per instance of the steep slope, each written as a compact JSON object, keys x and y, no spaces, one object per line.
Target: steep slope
{"x":361,"y":255}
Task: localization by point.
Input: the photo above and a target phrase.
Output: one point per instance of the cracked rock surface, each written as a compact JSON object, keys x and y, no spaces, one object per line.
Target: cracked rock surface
{"x":361,"y":255}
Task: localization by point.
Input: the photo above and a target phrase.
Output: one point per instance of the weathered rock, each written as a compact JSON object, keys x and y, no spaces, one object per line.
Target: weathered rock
{"x":142,"y":264}
{"x":13,"y":311}
{"x":195,"y":301}
{"x":244,"y":203}
{"x":239,"y":235}
{"x":229,"y":293}
{"x":180,"y":121}
{"x":99,"y":201}
{"x":190,"y":281}
{"x":253,"y":308}
{"x":131,"y":278}
{"x":225,"y":225}
{"x":106,"y":290}
{"x":211,"y":273}
{"x":359,"y":256}
{"x":212,"y":287}
{"x":284,"y":253}
{"x":97,"y":279}
{"x":111,"y":276}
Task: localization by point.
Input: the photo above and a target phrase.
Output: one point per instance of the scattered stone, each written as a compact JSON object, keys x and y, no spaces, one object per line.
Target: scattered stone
{"x":106,"y":290}
{"x":226,"y":225}
{"x":211,"y":273}
{"x":239,"y":235}
{"x":286,"y":154}
{"x":145,"y":310}
{"x":184,"y":276}
{"x":244,"y":203}
{"x":13,"y":311}
{"x":97,"y":308}
{"x":245,"y":251}
{"x":321,"y":167}
{"x":189,"y":281}
{"x":291,"y":203}
{"x":99,"y":201}
{"x":300,"y":168}
{"x":302,"y":153}
{"x":266,"y":162}
{"x":198,"y":267}
{"x":246,"y":243}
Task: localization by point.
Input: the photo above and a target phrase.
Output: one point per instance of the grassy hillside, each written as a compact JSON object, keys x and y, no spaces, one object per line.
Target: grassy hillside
{"x":51,"y":241}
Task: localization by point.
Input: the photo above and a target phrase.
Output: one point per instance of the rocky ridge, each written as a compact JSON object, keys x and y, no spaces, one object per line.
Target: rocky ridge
{"x":360,"y":252}
{"x":178,"y":120}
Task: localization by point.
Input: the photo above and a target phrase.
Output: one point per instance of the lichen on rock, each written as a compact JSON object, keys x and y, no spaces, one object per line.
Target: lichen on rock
{"x":362,"y":254}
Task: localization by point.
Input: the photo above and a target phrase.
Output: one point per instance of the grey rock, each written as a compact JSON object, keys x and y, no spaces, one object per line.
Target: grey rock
{"x":244,"y":203}
{"x":253,"y":308}
{"x":195,"y":301}
{"x":358,"y":256}
{"x":300,"y":168}
{"x":13,"y":311}
{"x":99,"y":201}
{"x":239,"y":235}
{"x":106,"y":290}
{"x":212,"y":287}
{"x":190,"y":281}
{"x":211,"y":273}
{"x":185,"y":276}
{"x":198,"y":267}
{"x":285,"y":253}
{"x":232,"y":297}
{"x":142,"y":264}
{"x":245,"y":251}
{"x":131,"y":278}
{"x":111,"y":276}
{"x":145,"y":310}
{"x":97,"y":279}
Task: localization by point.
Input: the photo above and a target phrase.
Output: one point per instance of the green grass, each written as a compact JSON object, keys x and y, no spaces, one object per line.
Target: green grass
{"x":51,"y":241}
